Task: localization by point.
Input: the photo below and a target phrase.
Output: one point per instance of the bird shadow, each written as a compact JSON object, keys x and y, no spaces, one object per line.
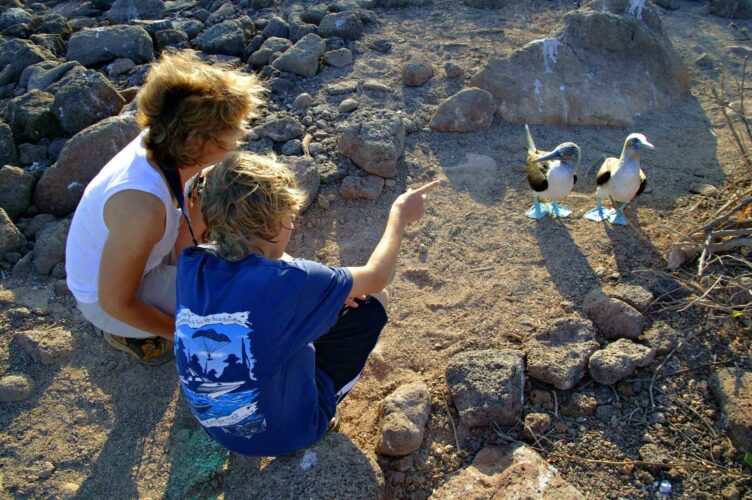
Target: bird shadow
{"x":570,"y":271}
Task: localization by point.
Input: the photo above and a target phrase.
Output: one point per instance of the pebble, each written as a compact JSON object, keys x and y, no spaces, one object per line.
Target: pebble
{"x":46,"y":471}
{"x":304,"y":100}
{"x":15,"y":387}
{"x":348,"y":105}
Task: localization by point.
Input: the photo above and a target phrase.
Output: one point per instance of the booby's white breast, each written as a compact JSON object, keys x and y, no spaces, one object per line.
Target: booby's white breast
{"x":624,"y":182}
{"x":560,"y":182}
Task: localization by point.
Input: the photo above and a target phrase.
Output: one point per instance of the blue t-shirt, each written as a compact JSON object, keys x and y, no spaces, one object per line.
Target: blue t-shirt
{"x":244,"y":348}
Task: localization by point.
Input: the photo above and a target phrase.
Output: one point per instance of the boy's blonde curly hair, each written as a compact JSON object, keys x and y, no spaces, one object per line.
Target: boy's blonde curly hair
{"x":245,"y":197}
{"x":185,"y":98}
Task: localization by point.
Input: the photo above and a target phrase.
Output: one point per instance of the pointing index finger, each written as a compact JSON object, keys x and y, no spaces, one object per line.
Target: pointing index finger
{"x":427,"y":188}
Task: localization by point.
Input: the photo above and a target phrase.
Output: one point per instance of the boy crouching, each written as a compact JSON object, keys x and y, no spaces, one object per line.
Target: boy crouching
{"x":265,"y":347}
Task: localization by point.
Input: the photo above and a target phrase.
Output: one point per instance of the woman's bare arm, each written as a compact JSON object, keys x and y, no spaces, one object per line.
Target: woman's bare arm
{"x":136,"y":222}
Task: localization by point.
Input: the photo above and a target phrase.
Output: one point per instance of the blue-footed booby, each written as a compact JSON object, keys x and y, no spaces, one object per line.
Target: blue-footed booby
{"x":551,"y":175}
{"x":621,"y":179}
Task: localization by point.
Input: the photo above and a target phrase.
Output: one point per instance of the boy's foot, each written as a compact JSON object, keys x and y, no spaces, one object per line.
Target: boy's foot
{"x":153,"y":351}
{"x":334,"y":423}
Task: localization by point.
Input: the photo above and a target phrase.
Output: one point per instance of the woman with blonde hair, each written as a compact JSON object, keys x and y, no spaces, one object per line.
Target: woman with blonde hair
{"x":133,"y":220}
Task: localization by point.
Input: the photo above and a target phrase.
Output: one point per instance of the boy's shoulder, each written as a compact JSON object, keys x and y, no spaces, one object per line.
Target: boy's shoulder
{"x":204,"y":255}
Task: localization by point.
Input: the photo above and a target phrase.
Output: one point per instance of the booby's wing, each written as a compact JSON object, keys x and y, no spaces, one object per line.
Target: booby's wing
{"x":604,"y":173}
{"x":537,"y":175}
{"x":643,"y":183}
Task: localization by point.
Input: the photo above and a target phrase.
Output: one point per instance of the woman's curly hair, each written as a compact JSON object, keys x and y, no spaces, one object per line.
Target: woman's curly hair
{"x":185,"y":98}
{"x":244,"y":198}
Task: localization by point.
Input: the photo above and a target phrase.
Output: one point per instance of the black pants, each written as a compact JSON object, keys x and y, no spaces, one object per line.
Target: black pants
{"x":342,"y":352}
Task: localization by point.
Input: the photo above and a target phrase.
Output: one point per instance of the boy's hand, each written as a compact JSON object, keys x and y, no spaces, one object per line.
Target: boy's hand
{"x":410,"y":206}
{"x":350,"y":301}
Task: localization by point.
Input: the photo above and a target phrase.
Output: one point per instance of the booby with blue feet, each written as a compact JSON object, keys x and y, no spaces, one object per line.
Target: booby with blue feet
{"x":620,"y":179}
{"x":551,"y":176}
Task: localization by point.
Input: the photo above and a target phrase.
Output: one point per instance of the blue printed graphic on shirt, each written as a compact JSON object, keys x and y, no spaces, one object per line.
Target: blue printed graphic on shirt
{"x":215,"y":363}
{"x":244,"y":348}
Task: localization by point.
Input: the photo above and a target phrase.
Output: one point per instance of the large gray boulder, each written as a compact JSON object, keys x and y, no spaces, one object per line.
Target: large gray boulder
{"x":227,"y":38}
{"x":124,"y":11}
{"x":16,"y":55}
{"x":8,"y":151}
{"x":514,"y":471}
{"x":605,"y":63}
{"x":270,"y":47}
{"x":346,"y":24}
{"x":41,"y":75}
{"x":736,"y":9}
{"x":11,"y":238}
{"x":487,"y":386}
{"x":31,"y":116}
{"x":332,"y":468}
{"x":49,"y":248}
{"x":375,"y":144}
{"x":14,"y":16}
{"x":92,"y":47}
{"x":84,"y":97}
{"x":303,"y":57}
{"x":62,"y":185}
{"x":17,"y":188}
{"x":402,"y":419}
{"x":468,"y":110}
{"x":559,"y":355}
{"x":732,"y":388}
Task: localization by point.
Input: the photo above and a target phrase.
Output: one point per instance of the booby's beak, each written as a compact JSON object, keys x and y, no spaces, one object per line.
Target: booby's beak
{"x":553,"y":154}
{"x":646,"y":144}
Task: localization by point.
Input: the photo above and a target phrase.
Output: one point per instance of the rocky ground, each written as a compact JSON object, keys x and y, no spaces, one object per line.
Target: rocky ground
{"x":503,"y":330}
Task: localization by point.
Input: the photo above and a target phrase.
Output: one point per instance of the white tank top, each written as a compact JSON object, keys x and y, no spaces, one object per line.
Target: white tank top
{"x":129,"y":169}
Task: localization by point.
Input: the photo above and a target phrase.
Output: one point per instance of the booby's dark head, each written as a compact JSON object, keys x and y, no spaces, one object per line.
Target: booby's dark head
{"x":566,"y":152}
{"x":635,"y":143}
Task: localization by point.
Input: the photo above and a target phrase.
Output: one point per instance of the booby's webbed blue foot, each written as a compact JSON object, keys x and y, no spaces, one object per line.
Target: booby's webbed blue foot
{"x":557,"y":210}
{"x":598,"y":214}
{"x":537,"y":211}
{"x":616,"y":217}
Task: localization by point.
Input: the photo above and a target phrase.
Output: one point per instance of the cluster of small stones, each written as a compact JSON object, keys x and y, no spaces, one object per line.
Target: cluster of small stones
{"x":70,"y":74}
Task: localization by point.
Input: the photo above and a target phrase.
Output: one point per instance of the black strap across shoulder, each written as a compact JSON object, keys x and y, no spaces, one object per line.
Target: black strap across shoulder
{"x":173,"y":179}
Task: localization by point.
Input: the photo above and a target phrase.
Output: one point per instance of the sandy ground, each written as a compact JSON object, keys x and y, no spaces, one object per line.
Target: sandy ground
{"x":474,"y":273}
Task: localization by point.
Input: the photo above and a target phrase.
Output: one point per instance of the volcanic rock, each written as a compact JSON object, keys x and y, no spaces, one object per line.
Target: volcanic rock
{"x":368,"y":187}
{"x":513,"y":471}
{"x":618,"y":360}
{"x":487,"y":386}
{"x":17,"y":188}
{"x":375,"y":144}
{"x":31,"y":116}
{"x":559,"y":356}
{"x":11,"y":238}
{"x":50,"y":346}
{"x":303,"y":57}
{"x":83,"y":98}
{"x":345,"y":25}
{"x":61,"y":186}
{"x":49,"y":248}
{"x":469,"y":110}
{"x":607,"y":62}
{"x":733,"y":390}
{"x":402,"y":419}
